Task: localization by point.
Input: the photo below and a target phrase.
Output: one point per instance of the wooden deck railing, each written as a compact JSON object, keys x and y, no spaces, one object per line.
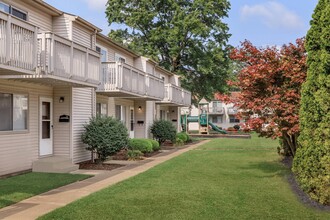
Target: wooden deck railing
{"x":121,"y":77}
{"x":177,"y":95}
{"x":61,"y":57}
{"x":217,"y":110}
{"x":18,"y":43}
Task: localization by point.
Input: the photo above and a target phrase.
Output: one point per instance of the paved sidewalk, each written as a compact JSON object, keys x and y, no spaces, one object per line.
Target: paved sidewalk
{"x":41,"y":204}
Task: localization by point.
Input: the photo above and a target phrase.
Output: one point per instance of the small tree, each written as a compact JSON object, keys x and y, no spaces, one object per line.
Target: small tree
{"x":163,"y":131}
{"x":270,"y":83}
{"x":104,"y":136}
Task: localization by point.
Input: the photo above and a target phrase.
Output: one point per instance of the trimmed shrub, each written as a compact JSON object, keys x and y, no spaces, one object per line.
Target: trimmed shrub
{"x":312,"y":160}
{"x":141,"y":144}
{"x":163,"y":130}
{"x":134,"y":154}
{"x":155,"y":145}
{"x":179,"y":142}
{"x":236,"y":127}
{"x":105,"y":136}
{"x":183,"y":136}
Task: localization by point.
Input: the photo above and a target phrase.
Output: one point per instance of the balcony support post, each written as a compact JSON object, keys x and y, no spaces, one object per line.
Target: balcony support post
{"x":8,"y":40}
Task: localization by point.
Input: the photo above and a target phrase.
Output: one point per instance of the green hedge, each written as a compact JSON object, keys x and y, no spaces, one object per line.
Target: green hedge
{"x":312,"y":160}
{"x":141,"y":144}
{"x":155,"y":145}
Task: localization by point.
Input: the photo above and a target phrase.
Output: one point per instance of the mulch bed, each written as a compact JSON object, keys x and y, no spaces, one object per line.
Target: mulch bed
{"x":303,"y":197}
{"x":88,"y":165}
{"x":121,"y":155}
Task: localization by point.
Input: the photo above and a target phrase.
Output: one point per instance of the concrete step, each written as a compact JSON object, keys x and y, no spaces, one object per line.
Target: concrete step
{"x":54,"y":165}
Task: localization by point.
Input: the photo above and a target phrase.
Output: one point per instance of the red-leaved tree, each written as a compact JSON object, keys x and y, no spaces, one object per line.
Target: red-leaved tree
{"x":270,"y":83}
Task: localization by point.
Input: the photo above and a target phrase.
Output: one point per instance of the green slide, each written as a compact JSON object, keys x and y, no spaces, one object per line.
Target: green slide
{"x":215,"y":128}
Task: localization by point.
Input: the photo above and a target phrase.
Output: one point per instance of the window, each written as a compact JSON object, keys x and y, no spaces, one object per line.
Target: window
{"x":120,"y":58}
{"x":103,"y":52}
{"x":4,"y":7}
{"x":14,"y":11}
{"x":162,"y":115}
{"x":118,"y":112}
{"x":216,"y":119}
{"x":101,"y":109}
{"x":233,"y":119}
{"x":13,"y":112}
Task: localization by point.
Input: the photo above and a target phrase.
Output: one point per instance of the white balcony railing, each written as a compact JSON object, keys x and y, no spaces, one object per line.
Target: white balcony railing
{"x":63,"y":58}
{"x":18,"y":43}
{"x":123,"y":78}
{"x":177,"y":95}
{"x":217,"y":110}
{"x":232,"y":111}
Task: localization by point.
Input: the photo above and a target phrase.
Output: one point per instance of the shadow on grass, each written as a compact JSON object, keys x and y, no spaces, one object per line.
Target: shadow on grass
{"x":270,"y":168}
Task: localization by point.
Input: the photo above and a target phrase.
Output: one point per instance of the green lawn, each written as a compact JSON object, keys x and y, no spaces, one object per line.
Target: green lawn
{"x":224,"y":179}
{"x":17,"y":188}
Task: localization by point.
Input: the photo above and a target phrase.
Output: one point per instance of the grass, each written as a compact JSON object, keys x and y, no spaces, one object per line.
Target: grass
{"x":223,"y":179}
{"x":18,"y":188}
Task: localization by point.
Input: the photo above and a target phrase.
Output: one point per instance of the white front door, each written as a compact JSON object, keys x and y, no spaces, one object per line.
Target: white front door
{"x":131,"y":121}
{"x":46,"y":127}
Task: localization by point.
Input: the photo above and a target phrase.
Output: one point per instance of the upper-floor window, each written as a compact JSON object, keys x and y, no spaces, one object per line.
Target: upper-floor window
{"x":103,"y":52}
{"x":120,"y":58}
{"x":13,"y":112}
{"x":14,"y":11}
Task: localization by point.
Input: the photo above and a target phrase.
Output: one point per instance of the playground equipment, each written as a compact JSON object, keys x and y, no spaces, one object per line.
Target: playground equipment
{"x":202,"y":119}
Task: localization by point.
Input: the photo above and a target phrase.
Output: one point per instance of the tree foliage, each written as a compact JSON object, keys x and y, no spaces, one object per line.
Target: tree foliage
{"x":185,"y":37}
{"x":270,"y":82}
{"x":312,"y":162}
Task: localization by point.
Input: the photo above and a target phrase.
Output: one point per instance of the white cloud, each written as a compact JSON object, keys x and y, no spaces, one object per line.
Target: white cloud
{"x":98,"y":5}
{"x":273,"y":14}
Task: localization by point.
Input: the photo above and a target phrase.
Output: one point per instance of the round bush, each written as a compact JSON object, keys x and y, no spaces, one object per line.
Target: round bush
{"x":182,"y":136}
{"x":155,"y":145}
{"x":143,"y":145}
{"x":163,"y":130}
{"x":179,"y":142}
{"x":105,"y":136}
{"x":236,"y":127}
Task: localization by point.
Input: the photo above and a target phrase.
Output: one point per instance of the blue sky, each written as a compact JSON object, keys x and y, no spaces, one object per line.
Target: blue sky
{"x":274,"y":22}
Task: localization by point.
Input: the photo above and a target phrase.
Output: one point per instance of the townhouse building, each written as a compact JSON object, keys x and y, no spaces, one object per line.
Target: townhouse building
{"x":56,"y":71}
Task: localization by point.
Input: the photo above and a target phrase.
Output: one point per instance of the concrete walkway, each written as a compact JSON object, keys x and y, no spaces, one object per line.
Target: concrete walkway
{"x":41,"y":204}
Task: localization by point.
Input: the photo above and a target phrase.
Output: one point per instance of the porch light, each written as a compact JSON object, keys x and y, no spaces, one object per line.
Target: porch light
{"x":61,"y":100}
{"x":140,"y":108}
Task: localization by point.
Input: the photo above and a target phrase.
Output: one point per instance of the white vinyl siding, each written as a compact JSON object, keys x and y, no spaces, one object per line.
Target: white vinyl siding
{"x":81,"y":35}
{"x":62,"y":130}
{"x":19,"y":149}
{"x":82,"y":111}
{"x":35,"y":16}
{"x":62,"y":26}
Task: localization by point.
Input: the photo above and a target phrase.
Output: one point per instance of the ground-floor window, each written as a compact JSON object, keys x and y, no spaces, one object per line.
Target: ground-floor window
{"x":162,"y":115}
{"x":216,"y":119}
{"x":101,"y":109}
{"x":120,"y":113}
{"x":13,"y":112}
{"x":233,"y":119}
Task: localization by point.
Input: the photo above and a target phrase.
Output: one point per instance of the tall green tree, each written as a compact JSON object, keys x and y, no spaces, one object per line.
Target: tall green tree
{"x":185,"y":37}
{"x":312,"y":161}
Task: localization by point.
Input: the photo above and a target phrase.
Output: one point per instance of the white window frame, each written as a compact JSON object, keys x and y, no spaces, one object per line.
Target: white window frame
{"x":100,"y":106}
{"x":104,"y":49}
{"x":18,"y":9}
{"x":120,"y":58}
{"x":27,"y":113}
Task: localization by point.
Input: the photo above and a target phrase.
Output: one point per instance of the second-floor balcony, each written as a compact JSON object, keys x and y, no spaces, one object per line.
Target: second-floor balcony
{"x":176,"y":95}
{"x":119,"y":79}
{"x":232,"y":111}
{"x":29,"y":55}
{"x":217,"y":110}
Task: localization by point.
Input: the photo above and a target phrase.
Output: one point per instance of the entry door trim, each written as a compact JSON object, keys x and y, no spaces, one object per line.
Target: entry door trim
{"x":46,"y":144}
